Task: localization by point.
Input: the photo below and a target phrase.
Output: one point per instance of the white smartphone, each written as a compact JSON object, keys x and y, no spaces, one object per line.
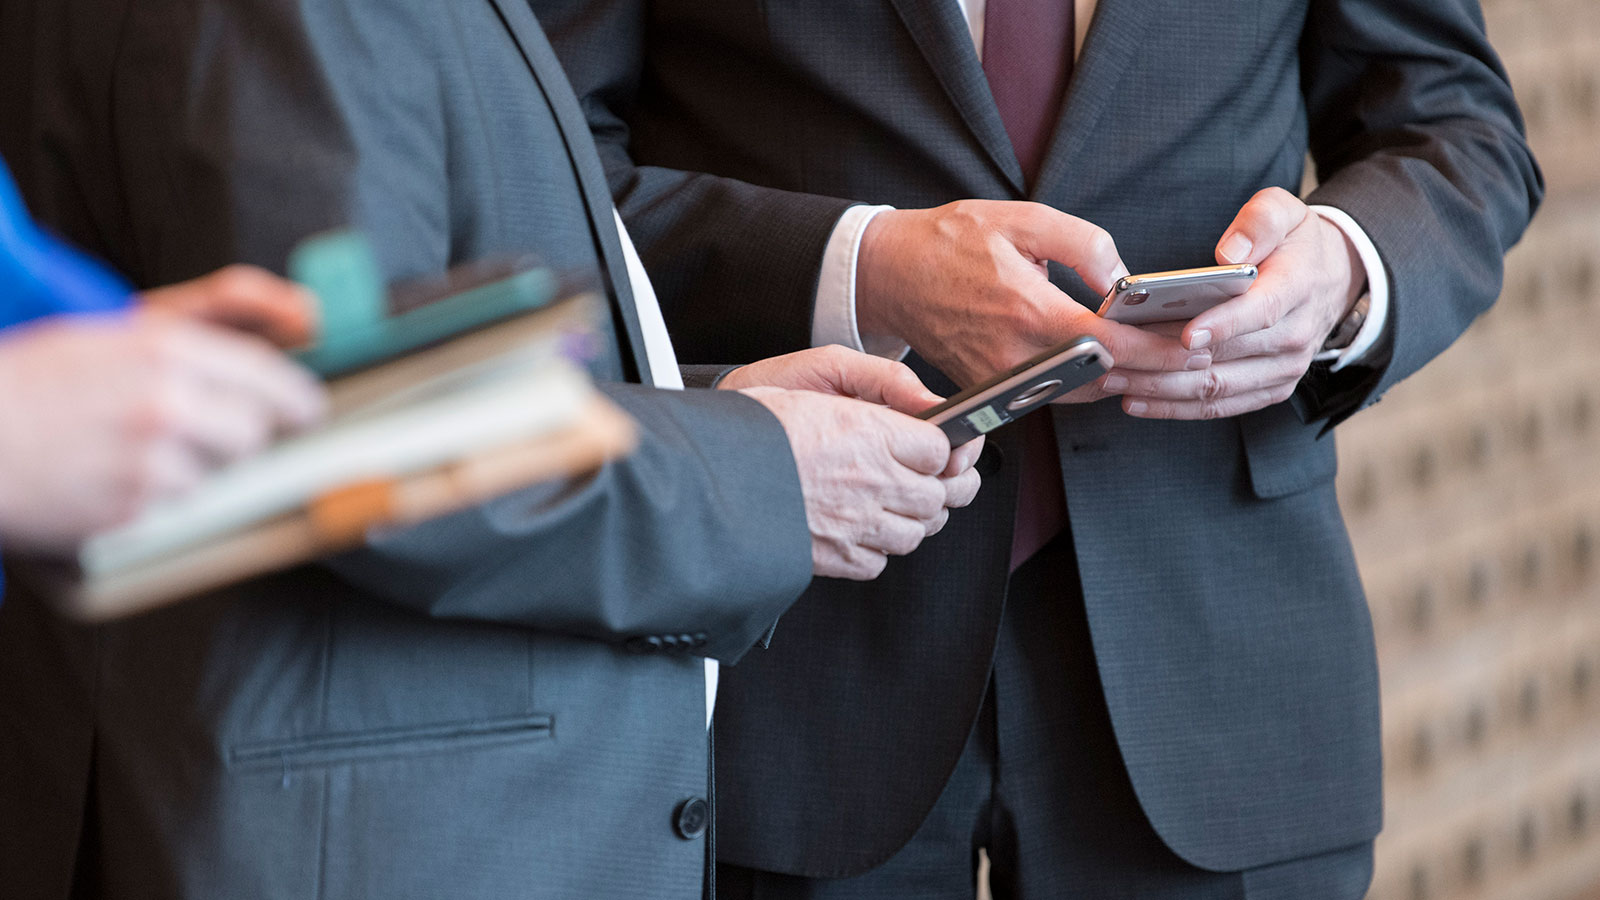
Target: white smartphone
{"x":1174,"y":296}
{"x":1011,"y":395}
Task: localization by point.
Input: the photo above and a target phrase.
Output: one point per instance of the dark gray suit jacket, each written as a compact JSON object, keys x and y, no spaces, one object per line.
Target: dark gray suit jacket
{"x":1233,"y":640}
{"x":472,"y":708}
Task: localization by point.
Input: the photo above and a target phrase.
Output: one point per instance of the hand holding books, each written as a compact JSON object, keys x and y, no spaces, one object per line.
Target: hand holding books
{"x":446,"y":394}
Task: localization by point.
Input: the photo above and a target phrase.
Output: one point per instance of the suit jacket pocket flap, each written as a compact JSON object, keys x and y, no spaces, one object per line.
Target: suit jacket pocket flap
{"x":344,"y":747}
{"x":1285,"y":455}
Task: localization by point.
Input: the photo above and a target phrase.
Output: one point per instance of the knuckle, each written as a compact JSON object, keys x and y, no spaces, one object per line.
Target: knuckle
{"x":968,"y":491}
{"x":1033,"y":214}
{"x":145,"y":477}
{"x":254,"y":434}
{"x":1278,"y":342}
{"x":159,"y":344}
{"x":1295,"y":367}
{"x":900,"y":372}
{"x":157,"y":414}
{"x":1100,"y":244}
{"x":1301,"y":339}
{"x":871,"y":565}
{"x":240,"y":279}
{"x":1280,"y":204}
{"x":908,"y":540}
{"x":1275,"y":195}
{"x":1291,"y":368}
{"x":1213,"y":386}
{"x":834,"y":353}
{"x":1272,"y":308}
{"x":965,"y":215}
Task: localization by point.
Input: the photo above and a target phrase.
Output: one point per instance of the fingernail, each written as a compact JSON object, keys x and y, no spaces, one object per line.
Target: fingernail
{"x":1198,"y":361}
{"x":1116,"y":384}
{"x":1199,"y":339}
{"x":1236,"y":248}
{"x":1138,"y":408}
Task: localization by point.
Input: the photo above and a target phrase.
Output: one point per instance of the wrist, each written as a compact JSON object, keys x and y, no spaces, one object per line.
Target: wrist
{"x":875,"y":280}
{"x":1352,"y":271}
{"x":1346,"y":290}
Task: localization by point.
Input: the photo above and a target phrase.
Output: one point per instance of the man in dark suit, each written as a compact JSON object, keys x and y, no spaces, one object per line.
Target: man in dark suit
{"x":509,"y":702}
{"x":1142,"y":664}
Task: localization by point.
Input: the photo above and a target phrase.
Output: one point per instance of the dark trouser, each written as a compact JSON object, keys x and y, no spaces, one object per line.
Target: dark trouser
{"x":1042,"y":788}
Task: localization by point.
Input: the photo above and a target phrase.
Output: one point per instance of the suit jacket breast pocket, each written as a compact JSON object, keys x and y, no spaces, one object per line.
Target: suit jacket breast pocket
{"x":1285,"y":455}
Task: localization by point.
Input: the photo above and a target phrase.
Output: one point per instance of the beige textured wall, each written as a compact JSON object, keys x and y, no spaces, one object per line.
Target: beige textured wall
{"x":1473,"y":495}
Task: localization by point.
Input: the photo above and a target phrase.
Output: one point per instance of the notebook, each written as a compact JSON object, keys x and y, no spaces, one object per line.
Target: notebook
{"x":443,"y":395}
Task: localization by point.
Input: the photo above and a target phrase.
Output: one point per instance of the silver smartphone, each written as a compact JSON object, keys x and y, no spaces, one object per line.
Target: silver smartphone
{"x":1174,"y":296}
{"x":1012,"y":395}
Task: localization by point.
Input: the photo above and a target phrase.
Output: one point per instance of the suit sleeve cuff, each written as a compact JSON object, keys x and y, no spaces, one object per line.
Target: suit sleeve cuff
{"x":834,"y":320}
{"x":1377,"y":289}
{"x":704,"y":377}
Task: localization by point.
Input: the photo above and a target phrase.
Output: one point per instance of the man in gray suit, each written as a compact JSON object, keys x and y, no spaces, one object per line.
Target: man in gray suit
{"x":1173,"y":694}
{"x":510,"y":702}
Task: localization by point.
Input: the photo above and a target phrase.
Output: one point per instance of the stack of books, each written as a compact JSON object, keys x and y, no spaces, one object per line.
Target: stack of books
{"x":443,"y":395}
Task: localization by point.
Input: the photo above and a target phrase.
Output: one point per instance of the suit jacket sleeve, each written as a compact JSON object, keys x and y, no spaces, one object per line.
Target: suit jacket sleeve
{"x":293,"y":117}
{"x":725,"y":244}
{"x":1415,"y":134}
{"x":681,"y":538}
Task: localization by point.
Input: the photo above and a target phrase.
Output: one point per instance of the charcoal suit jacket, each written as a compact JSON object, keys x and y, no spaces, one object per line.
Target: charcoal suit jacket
{"x":477,"y":707}
{"x":1230,"y":628}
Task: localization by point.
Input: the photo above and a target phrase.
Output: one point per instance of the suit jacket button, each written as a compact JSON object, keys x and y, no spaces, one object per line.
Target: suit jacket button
{"x":700,"y":639}
{"x":692,"y":818}
{"x":686,"y":641}
{"x":669,"y":641}
{"x":648,"y":644}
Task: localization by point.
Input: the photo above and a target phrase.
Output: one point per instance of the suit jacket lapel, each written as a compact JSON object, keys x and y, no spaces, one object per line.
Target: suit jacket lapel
{"x":574,"y":127}
{"x":1112,"y":40}
{"x":942,"y":35}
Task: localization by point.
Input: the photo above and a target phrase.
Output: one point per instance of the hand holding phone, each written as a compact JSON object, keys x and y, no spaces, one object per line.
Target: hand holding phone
{"x":1029,"y":386}
{"x":1174,"y":296}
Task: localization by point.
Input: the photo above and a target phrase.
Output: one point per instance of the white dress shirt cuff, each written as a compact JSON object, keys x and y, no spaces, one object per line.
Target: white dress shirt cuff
{"x":833,"y":318}
{"x":1377,"y":289}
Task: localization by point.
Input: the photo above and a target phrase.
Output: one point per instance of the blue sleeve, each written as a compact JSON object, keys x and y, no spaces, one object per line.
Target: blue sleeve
{"x":41,"y":276}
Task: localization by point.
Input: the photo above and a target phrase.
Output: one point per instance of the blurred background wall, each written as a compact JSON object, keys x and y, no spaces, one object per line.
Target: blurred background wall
{"x":1473,"y":496}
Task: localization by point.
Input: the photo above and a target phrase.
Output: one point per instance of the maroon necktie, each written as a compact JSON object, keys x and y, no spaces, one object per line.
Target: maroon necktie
{"x":1027,"y":56}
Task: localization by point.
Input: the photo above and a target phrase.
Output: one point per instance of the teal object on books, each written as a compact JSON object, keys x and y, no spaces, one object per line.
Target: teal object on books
{"x":364,"y":322}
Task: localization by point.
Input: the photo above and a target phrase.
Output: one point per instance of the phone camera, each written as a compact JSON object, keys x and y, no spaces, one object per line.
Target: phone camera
{"x":1032,"y":394}
{"x":1136,"y":298}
